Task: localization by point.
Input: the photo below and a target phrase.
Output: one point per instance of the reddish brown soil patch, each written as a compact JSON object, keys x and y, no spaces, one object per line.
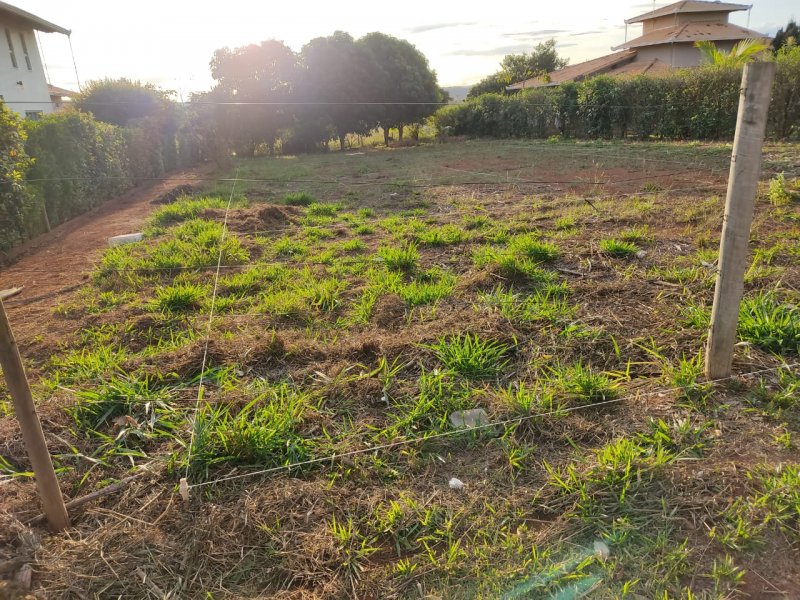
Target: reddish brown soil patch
{"x":253,"y":220}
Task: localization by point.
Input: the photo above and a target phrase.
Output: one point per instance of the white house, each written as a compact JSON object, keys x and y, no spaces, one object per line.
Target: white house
{"x":23,"y":82}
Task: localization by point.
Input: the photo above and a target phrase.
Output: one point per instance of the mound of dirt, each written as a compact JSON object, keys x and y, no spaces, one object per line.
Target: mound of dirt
{"x":175,"y":193}
{"x":389,"y":311}
{"x":262,"y":218}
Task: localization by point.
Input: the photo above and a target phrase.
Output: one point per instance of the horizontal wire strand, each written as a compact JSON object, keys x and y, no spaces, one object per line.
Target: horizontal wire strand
{"x":497,"y":424}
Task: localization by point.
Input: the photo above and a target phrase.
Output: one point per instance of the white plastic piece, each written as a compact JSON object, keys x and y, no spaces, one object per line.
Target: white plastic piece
{"x":601,"y":550}
{"x":184,"y":489}
{"x":468,"y":419}
{"x":456,"y":484}
{"x":128,"y":238}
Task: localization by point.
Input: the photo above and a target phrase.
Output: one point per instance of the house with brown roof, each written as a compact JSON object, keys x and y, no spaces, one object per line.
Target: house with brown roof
{"x":23,"y":77}
{"x":667,"y":41}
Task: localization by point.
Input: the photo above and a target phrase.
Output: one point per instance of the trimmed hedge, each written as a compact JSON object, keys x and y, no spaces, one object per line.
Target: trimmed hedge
{"x":13,"y":164}
{"x":685,"y":104}
{"x":76,"y":163}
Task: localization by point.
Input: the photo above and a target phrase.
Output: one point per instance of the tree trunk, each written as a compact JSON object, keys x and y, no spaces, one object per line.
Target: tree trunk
{"x":386,"y":136}
{"x":341,"y":142}
{"x":400,"y":132}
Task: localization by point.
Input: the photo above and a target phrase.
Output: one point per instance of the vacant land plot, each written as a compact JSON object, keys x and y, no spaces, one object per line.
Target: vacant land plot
{"x":309,"y":392}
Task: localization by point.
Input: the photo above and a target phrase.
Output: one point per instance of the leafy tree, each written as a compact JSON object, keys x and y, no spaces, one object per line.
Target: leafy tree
{"x":786,"y":37}
{"x":262,"y":78}
{"x":342,"y":81}
{"x":402,"y":75}
{"x":147,"y":112}
{"x":122,"y":101}
{"x":742,"y":52}
{"x":517,"y":67}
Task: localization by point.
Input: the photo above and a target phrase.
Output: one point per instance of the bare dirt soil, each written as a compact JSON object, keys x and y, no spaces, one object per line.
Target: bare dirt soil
{"x":54,"y":263}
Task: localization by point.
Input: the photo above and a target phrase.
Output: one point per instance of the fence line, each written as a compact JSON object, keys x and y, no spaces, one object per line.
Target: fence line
{"x":498,"y":424}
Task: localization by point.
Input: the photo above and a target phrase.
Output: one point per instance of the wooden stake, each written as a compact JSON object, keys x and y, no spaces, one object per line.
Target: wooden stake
{"x":751,"y":124}
{"x":17,"y":383}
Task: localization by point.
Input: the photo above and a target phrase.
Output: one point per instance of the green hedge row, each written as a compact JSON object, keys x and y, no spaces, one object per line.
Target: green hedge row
{"x":686,"y":104}
{"x":67,"y":163}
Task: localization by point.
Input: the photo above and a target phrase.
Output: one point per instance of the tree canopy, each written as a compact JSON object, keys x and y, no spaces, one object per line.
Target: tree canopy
{"x":787,"y":36}
{"x":121,"y":101}
{"x":255,"y":85}
{"x":333,"y":87}
{"x":516,"y":67}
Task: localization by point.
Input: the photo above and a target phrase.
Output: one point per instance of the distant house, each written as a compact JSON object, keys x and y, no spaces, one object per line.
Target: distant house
{"x":23,"y":83}
{"x":59,"y":97}
{"x":667,"y":41}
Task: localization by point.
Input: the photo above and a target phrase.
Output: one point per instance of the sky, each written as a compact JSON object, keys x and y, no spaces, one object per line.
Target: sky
{"x":169,"y":42}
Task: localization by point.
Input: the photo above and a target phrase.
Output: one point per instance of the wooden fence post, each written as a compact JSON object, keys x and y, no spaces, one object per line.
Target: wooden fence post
{"x":751,"y":123}
{"x":17,"y":383}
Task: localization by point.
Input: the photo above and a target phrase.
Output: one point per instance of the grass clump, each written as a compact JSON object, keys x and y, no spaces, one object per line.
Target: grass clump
{"x":318,"y":209}
{"x":639,"y":234}
{"x":770,"y":324}
{"x":778,"y":194}
{"x":265,"y":432}
{"x":299,"y":199}
{"x":530,"y":247}
{"x":399,"y":258}
{"x":441,"y":236}
{"x":472,"y":357}
{"x":140,"y":400}
{"x":584,"y":384}
{"x":184,"y":209}
{"x":543,"y":304}
{"x":618,"y":248}
{"x":180,"y":297}
{"x":565,"y":223}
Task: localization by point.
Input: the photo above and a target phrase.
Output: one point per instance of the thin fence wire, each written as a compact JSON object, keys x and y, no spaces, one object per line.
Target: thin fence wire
{"x":210,"y":324}
{"x":498,"y":424}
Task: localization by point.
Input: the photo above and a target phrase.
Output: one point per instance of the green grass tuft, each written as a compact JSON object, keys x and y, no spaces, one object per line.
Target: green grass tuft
{"x":618,"y":248}
{"x":472,"y":357}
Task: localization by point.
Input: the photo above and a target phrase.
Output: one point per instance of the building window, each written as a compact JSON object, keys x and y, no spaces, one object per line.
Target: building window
{"x":11,"y":48}
{"x":33,"y":115}
{"x":25,"y":51}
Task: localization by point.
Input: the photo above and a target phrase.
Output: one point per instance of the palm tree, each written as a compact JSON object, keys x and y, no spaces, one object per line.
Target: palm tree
{"x":741,"y":53}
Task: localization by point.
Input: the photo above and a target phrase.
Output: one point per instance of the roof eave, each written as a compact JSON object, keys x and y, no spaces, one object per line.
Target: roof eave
{"x":645,"y":16}
{"x":35,"y":22}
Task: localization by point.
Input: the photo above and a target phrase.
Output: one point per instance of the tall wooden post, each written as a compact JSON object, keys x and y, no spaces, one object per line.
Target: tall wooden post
{"x":751,"y":124}
{"x":31,"y":428}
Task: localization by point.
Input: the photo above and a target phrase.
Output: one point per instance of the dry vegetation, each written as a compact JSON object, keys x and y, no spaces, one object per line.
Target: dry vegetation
{"x":363,"y":298}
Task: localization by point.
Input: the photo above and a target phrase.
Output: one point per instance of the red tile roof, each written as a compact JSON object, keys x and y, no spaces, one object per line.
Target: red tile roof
{"x":687,"y":6}
{"x":692,"y":32}
{"x":579,"y":71}
{"x":61,"y":92}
